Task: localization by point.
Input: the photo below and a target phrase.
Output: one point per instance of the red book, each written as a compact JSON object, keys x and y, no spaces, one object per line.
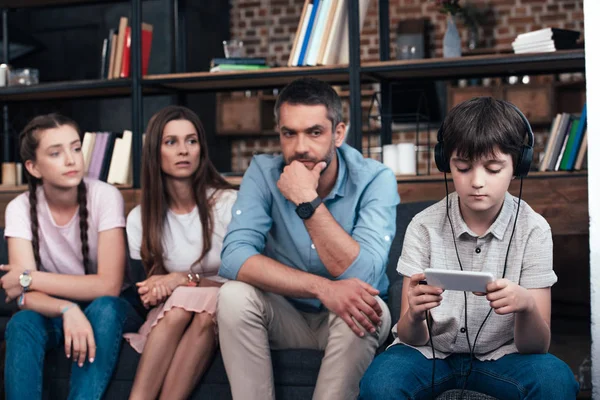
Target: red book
{"x":126,"y":63}
{"x":146,"y":46}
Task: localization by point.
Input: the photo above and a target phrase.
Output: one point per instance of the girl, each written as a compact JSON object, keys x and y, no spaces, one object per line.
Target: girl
{"x":66,"y":249}
{"x":177,"y":232}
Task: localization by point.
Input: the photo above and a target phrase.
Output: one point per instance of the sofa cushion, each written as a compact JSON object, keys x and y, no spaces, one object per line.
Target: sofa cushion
{"x":297,"y":367}
{"x":404,"y":214}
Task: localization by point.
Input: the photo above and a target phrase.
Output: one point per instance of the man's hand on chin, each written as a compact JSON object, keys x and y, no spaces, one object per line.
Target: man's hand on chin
{"x":299,"y":184}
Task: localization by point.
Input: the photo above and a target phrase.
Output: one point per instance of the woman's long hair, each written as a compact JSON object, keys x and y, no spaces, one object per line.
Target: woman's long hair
{"x":29,"y":142}
{"x":155,"y":198}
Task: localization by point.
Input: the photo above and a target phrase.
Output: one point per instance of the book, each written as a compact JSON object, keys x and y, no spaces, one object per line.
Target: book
{"x":582,"y":152}
{"x":298,"y":49}
{"x":147,"y":34}
{"x":87,"y":147}
{"x":104,"y":59}
{"x":120,"y":44}
{"x":107,"y":156}
{"x":577,"y":140}
{"x":327,"y":32}
{"x":550,"y":143}
{"x":113,"y":50}
{"x":565,"y":122}
{"x":97,"y":155}
{"x":548,"y":33}
{"x":344,"y":44}
{"x":317,"y":36}
{"x":301,"y":26}
{"x":564,"y":159}
{"x":309,"y":30}
{"x":237,"y":67}
{"x":339,"y":19}
{"x":120,"y":163}
{"x":126,"y":60}
{"x":238,"y":60}
{"x":564,"y":141}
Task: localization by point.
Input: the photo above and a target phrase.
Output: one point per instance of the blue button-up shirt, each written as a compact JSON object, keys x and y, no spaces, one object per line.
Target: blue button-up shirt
{"x":363,"y":202}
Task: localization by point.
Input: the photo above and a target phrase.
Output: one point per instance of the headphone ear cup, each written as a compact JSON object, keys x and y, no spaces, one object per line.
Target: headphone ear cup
{"x":522,"y":169}
{"x":441,"y":161}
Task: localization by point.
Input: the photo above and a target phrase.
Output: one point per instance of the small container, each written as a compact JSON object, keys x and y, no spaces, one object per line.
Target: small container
{"x":4,"y":74}
{"x":233,"y":48}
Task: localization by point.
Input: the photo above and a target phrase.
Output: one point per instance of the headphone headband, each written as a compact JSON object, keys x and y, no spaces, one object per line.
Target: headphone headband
{"x":525,"y":157}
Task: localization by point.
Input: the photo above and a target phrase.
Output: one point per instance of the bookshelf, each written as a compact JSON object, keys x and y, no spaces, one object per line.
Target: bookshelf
{"x":383,"y":72}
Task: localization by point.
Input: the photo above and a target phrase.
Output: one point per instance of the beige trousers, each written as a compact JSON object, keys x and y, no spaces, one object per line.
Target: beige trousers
{"x":252,"y":322}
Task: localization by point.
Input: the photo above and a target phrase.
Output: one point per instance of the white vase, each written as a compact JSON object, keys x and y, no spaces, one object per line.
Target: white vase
{"x":452,"y":43}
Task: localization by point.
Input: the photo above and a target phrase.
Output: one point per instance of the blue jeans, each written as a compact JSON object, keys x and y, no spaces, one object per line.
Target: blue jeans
{"x":402,"y":372}
{"x":29,"y":335}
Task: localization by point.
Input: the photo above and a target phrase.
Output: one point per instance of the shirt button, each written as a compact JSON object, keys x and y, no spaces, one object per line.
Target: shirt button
{"x":478,"y":250}
{"x":386,"y":238}
{"x":462,"y":330}
{"x":312,"y":246}
{"x":238,"y":212}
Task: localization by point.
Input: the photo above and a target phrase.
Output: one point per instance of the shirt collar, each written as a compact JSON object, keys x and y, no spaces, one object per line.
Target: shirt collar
{"x":497,"y":229}
{"x":339,"y":189}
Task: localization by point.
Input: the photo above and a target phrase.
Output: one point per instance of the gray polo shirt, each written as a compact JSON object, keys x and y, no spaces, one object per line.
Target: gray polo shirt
{"x":428,"y":244}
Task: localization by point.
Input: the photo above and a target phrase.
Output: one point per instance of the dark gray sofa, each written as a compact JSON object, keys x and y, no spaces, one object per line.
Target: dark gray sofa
{"x":295,"y":371}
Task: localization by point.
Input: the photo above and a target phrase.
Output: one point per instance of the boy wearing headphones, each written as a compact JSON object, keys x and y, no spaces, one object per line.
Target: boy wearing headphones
{"x":496,"y":342}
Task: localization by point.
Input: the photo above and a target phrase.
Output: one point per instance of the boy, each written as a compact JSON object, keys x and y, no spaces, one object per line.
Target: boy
{"x":494,"y":343}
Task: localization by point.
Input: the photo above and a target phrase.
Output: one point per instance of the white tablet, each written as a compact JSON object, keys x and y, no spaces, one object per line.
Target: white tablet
{"x":466,"y":281}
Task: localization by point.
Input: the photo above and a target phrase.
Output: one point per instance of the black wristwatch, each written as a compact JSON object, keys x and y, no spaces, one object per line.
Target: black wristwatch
{"x":306,"y":210}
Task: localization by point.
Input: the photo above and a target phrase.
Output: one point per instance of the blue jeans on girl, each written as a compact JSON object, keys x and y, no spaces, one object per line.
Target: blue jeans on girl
{"x":29,"y":335}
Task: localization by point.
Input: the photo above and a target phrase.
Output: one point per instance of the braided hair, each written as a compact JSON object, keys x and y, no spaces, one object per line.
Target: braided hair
{"x":29,"y":142}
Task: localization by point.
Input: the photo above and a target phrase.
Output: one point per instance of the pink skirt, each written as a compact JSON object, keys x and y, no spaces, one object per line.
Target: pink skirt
{"x":194,"y":299}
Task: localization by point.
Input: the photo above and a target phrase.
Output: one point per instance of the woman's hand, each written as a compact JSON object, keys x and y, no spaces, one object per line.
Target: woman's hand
{"x":158,"y":288}
{"x":79,"y":336}
{"x":10,"y":281}
{"x":422,"y":297}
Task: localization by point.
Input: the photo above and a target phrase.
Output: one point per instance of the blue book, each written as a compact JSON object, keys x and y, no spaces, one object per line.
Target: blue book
{"x":577,"y":140}
{"x":311,"y":22}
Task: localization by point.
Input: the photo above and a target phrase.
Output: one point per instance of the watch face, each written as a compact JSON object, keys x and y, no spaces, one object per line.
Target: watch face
{"x":25,"y":280}
{"x":304,"y":210}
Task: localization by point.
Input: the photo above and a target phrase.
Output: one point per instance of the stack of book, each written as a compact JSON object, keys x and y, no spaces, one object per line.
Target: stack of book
{"x":238,"y":64}
{"x":545,"y":40}
{"x":107,"y":156}
{"x":567,"y":145}
{"x":322,"y":34}
{"x":116,"y":51}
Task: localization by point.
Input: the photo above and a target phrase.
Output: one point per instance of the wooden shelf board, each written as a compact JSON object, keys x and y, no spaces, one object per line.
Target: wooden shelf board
{"x":242,"y":80}
{"x":50,"y":3}
{"x":439,"y":177}
{"x":484,"y":65}
{"x":68,"y":89}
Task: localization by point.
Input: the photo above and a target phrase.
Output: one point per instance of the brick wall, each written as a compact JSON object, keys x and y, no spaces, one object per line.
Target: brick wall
{"x":267,"y":28}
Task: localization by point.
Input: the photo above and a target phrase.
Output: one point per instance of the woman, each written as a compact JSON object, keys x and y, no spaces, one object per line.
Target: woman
{"x":177,"y":232}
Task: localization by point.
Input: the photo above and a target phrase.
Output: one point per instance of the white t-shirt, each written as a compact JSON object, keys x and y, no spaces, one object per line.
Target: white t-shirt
{"x":182,"y":240}
{"x":60,"y":246}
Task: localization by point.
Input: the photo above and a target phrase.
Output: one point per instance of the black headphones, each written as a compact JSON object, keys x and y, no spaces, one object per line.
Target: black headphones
{"x":526,"y":157}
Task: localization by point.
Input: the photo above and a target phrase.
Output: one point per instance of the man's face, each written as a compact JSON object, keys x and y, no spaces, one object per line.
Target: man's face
{"x":307,"y":135}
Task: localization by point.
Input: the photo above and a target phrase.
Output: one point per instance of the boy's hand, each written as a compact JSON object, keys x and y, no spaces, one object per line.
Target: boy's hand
{"x":422,"y":297}
{"x":507,"y":297}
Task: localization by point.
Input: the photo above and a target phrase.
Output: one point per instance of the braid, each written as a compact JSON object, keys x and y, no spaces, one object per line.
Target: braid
{"x":83,"y":225}
{"x":35,"y":240}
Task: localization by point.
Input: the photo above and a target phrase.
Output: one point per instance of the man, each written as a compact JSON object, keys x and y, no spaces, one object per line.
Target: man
{"x":307,"y":245}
